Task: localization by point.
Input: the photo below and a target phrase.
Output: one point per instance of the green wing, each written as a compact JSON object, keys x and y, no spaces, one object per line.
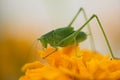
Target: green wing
{"x":69,"y":40}
{"x":55,"y":36}
{"x":62,"y":33}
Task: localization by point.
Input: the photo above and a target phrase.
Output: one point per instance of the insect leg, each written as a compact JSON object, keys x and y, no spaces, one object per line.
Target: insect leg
{"x":85,"y":16}
{"x":92,"y":44}
{"x":100,"y":25}
{"x":50,"y":53}
{"x":76,"y":45}
{"x":81,"y":9}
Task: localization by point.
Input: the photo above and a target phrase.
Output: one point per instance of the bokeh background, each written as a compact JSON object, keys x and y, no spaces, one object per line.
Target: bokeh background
{"x":23,"y":21}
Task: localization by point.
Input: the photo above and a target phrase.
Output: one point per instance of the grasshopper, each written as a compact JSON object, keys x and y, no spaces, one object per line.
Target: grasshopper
{"x":66,"y":36}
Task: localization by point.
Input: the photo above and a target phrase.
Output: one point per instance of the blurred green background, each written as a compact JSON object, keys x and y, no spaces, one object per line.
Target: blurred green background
{"x":23,"y":21}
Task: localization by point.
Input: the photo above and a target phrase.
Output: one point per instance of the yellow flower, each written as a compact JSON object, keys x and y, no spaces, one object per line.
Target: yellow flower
{"x":65,"y":65}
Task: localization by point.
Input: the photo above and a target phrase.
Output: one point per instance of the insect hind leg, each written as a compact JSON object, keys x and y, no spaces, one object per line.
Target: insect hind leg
{"x":100,"y":25}
{"x":91,"y":40}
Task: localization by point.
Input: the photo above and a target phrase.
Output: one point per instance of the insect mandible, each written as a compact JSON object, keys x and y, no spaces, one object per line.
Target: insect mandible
{"x":66,"y":36}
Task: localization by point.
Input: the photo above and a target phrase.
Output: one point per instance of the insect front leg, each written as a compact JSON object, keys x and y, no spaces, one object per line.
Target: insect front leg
{"x":100,"y":25}
{"x":50,"y":53}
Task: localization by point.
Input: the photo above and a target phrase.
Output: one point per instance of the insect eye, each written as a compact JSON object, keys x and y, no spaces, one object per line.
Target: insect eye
{"x":43,"y":42}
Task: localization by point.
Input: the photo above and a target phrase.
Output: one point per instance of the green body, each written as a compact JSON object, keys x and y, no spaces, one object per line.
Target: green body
{"x":61,"y":37}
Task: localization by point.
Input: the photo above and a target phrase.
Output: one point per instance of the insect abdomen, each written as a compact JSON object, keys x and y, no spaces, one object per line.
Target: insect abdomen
{"x":72,"y":39}
{"x":81,"y":37}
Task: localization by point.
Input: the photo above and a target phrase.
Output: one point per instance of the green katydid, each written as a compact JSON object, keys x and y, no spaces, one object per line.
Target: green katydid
{"x":66,"y":36}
